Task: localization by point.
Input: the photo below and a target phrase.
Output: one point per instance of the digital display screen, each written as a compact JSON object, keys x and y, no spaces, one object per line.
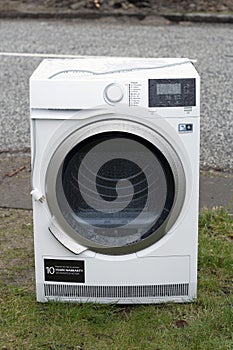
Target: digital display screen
{"x":172,"y":92}
{"x":169,"y":89}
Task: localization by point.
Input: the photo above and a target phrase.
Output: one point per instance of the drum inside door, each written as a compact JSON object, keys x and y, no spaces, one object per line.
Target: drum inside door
{"x":115,"y":189}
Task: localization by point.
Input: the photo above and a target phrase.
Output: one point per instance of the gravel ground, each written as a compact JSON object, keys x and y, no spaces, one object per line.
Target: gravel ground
{"x":211,"y":45}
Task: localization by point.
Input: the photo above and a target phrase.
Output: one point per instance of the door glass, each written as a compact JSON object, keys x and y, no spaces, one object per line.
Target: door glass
{"x":115,"y":189}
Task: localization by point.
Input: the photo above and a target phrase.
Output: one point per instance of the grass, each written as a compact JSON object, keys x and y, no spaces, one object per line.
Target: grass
{"x":205,"y":324}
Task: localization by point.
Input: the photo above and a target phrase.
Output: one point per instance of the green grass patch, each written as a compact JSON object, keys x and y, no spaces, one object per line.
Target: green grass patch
{"x":204,"y":324}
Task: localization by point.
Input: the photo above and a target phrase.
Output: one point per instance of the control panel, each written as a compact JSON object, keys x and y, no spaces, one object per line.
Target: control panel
{"x":172,"y":92}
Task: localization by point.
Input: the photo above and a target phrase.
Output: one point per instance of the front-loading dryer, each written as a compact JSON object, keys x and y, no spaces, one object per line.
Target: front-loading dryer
{"x":115,"y":177}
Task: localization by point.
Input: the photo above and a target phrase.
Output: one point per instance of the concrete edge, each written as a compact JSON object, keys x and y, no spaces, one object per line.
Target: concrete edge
{"x":172,"y":17}
{"x":200,"y":17}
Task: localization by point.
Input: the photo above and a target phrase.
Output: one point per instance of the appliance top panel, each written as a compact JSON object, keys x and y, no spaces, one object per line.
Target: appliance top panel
{"x":109,"y":67}
{"x":158,"y":84}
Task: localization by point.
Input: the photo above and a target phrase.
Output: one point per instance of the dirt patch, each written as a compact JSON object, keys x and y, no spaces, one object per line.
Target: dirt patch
{"x":116,"y":6}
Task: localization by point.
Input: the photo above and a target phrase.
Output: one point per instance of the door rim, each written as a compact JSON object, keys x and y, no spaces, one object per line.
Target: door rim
{"x":70,"y":238}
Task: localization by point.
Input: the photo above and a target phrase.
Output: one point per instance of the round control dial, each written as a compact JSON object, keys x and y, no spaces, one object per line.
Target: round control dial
{"x":113,"y":93}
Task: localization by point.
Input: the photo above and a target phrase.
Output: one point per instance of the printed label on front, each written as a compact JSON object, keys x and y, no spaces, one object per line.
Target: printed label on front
{"x":64,"y":270}
{"x":185,"y":128}
{"x":134,"y":93}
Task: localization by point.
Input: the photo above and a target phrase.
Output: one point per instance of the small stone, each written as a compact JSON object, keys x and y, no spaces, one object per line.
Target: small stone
{"x":76,"y":6}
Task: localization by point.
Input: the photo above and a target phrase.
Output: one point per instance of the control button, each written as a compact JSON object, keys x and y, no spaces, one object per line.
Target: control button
{"x":113,"y":93}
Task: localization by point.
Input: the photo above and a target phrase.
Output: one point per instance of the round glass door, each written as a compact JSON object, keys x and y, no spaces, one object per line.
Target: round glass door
{"x":115,"y":189}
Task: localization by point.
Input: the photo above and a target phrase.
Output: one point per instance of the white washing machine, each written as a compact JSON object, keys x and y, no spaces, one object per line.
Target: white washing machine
{"x":115,"y":174}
